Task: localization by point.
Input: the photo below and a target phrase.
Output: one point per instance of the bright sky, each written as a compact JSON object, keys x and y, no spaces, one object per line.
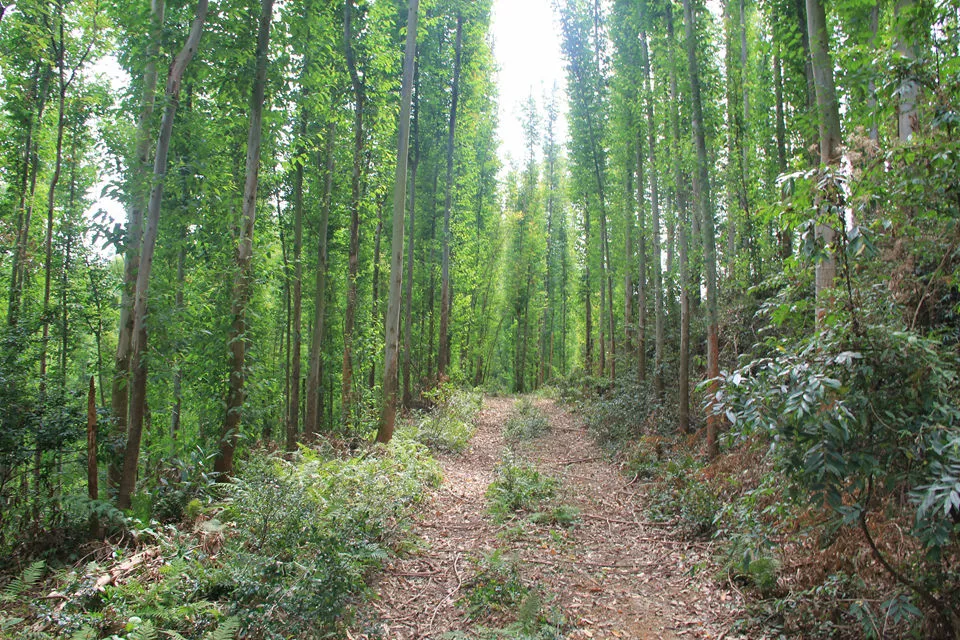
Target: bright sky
{"x":526,"y":37}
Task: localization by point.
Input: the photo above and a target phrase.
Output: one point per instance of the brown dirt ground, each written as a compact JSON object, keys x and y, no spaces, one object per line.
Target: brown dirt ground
{"x":612,"y":575}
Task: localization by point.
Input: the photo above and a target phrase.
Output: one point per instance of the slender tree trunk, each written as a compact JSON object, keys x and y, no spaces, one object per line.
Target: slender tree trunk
{"x":909,"y":90}
{"x":587,"y":303}
{"x":293,"y":415}
{"x":408,"y":293}
{"x":445,"y":301}
{"x":311,"y":422}
{"x":683,"y":382}
{"x":826,"y":269}
{"x":628,"y":261}
{"x":177,"y":409}
{"x":642,"y":279}
{"x":140,"y":192}
{"x":243,"y":282}
{"x":659,"y":323}
{"x":375,"y":301}
{"x":349,"y":315}
{"x":138,"y":365}
{"x":702,"y":190}
{"x":51,"y":201}
{"x":392,"y":329}
{"x":93,"y":491}
{"x":27,"y":193}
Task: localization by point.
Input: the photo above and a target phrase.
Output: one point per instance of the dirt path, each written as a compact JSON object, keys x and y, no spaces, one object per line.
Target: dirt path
{"x":612,"y":574}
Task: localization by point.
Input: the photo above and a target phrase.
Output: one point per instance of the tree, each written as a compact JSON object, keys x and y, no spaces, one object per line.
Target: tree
{"x":138,"y":364}
{"x":392,"y":329}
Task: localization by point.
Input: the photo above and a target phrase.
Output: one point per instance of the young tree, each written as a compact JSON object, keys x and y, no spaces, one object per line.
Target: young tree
{"x":243,"y":280}
{"x":391,"y":358}
{"x":138,"y":364}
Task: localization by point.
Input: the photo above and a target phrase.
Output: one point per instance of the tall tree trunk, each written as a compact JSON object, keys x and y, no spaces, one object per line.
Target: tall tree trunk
{"x":829,"y":122}
{"x":445,"y":301}
{"x":658,"y":310}
{"x":586,"y":285}
{"x":293,"y":413}
{"x":138,"y":364}
{"x":311,"y":422}
{"x":683,"y":382}
{"x":701,"y":188}
{"x":243,"y":281}
{"x":909,"y":90}
{"x":408,"y":287}
{"x":140,"y":191}
{"x":392,"y":328}
{"x":51,"y":197}
{"x":375,"y":301}
{"x":642,"y":279}
{"x":28,"y":188}
{"x":349,"y":314}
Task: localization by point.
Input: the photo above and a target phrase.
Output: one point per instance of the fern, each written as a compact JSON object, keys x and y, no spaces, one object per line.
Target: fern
{"x":17,"y":586}
{"x":146,"y":631}
{"x":85,"y":633}
{"x":226,"y":631}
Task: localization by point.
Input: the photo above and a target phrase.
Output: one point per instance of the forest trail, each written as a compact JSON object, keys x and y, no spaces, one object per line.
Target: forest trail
{"x":611,"y":575}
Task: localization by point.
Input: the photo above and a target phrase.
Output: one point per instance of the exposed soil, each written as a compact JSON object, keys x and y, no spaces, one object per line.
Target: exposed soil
{"x":613,"y":574}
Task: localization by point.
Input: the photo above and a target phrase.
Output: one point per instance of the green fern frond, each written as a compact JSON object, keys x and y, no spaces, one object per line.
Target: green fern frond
{"x":17,"y":586}
{"x":146,"y":631}
{"x":227,"y":630}
{"x":85,"y":633}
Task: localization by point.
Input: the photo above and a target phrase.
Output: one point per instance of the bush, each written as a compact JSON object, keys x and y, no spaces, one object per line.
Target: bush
{"x":859,"y":416}
{"x":451,"y":425}
{"x":685,"y":495}
{"x":526,"y":422}
{"x":518,"y":486}
{"x":496,"y":586}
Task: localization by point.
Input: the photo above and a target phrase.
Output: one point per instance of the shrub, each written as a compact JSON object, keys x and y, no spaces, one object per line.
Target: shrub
{"x":526,"y":422}
{"x":858,"y":416}
{"x":496,"y":586}
{"x":518,"y":486}
{"x":451,"y":425}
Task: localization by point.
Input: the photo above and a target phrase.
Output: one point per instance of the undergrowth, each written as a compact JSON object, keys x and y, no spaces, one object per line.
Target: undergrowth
{"x":283,"y":552}
{"x":526,"y":422}
{"x":449,"y":427}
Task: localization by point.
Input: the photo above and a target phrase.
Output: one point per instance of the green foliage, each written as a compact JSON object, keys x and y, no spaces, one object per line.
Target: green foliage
{"x":496,"y":586}
{"x":518,"y":486}
{"x":858,"y":414}
{"x":452,"y":423}
{"x":684,"y":495}
{"x":22,"y":583}
{"x":526,"y":422}
{"x":307,"y":533}
{"x":561,"y":515}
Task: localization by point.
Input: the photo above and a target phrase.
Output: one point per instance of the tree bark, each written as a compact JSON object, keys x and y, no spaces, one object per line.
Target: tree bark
{"x":408,"y":293}
{"x":445,"y":301}
{"x":243,"y":281}
{"x":392,"y":330}
{"x":826,"y":269}
{"x":701,"y":188}
{"x":349,"y":314}
{"x":139,"y":195}
{"x":311,"y":422}
{"x":138,"y":365}
{"x":293,"y":412}
{"x":659,"y":324}
{"x":642,"y":279}
{"x":683,"y":382}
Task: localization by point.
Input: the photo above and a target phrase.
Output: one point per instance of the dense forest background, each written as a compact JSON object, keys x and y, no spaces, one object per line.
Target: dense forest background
{"x":747,"y":246}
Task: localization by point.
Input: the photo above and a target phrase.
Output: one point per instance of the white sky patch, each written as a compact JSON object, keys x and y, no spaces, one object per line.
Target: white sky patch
{"x":527,"y":47}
